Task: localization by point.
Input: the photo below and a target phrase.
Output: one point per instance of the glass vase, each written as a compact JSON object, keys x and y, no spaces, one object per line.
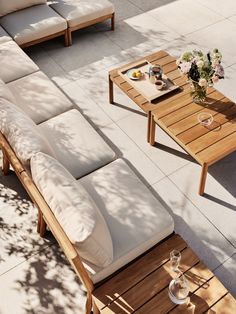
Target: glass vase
{"x":198,"y":92}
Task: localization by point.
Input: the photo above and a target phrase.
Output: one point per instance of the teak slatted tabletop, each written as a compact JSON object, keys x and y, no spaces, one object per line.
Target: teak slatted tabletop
{"x":177,"y":115}
{"x":142,"y":287}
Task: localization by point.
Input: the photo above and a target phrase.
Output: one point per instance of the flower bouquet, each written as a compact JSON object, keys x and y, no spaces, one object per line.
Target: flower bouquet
{"x":202,"y":70}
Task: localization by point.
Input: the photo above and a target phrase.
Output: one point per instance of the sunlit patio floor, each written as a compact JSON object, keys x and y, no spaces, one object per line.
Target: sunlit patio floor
{"x":35,"y":276}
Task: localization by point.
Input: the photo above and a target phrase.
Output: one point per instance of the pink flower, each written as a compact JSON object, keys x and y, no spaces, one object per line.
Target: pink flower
{"x":219,"y":71}
{"x":185,"y":67}
{"x":215,"y":78}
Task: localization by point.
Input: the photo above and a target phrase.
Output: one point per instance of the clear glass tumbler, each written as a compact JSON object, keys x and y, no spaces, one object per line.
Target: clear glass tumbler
{"x":175,"y":257}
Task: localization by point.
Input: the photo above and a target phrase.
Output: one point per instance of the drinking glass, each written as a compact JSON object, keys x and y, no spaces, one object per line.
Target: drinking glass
{"x":175,"y":257}
{"x":179,"y":289}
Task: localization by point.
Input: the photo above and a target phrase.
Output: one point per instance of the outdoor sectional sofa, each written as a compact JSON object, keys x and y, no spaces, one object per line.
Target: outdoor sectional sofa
{"x":30,"y":22}
{"x":102,"y":215}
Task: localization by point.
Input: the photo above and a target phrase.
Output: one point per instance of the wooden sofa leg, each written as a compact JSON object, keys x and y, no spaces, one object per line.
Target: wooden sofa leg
{"x":66,"y":39}
{"x":39,"y":221}
{"x":89,"y":304}
{"x":41,"y":227}
{"x":5,"y":164}
{"x":69,"y":37}
{"x":95,"y":308}
{"x":113,"y":22}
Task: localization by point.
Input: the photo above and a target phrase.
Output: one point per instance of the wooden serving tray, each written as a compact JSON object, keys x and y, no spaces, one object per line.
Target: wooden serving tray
{"x":143,"y":85}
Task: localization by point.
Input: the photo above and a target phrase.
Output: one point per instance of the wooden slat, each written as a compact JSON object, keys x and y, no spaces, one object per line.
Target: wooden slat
{"x":218,"y":150}
{"x":226,"y":305}
{"x":192,"y":120}
{"x":188,"y":110}
{"x":206,"y":296}
{"x":198,"y":130}
{"x":152,"y":284}
{"x":154,"y":56}
{"x":197,"y":277}
{"x":126,"y":86}
{"x":164,"y":61}
{"x":212,"y":137}
{"x":130,"y":276}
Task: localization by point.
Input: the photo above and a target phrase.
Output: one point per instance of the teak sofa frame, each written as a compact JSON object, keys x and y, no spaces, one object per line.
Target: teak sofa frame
{"x":46,"y":217}
{"x":67,"y":32}
{"x":89,"y":23}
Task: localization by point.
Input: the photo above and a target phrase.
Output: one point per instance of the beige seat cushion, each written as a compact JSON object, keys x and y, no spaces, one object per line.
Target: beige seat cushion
{"x":78,"y":147}
{"x":14,"y":63}
{"x":74,"y":209}
{"x":8,"y":6}
{"x":21,"y":133}
{"x":5,"y":92}
{"x":4,"y":37}
{"x":38,"y":97}
{"x":136,"y":219}
{"x":33,"y":23}
{"x":80,"y":11}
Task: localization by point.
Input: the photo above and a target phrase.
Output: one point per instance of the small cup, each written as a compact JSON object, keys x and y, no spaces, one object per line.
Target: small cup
{"x":160,"y":84}
{"x":205,"y":118}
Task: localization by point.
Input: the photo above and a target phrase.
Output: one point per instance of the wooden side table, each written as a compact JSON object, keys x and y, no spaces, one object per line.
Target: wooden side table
{"x":142,"y":287}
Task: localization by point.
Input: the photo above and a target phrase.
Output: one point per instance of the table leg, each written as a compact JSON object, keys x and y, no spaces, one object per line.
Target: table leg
{"x":111,"y":97}
{"x":203,"y":179}
{"x":152,"y":130}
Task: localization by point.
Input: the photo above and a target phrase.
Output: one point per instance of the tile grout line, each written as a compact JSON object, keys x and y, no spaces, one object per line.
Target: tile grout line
{"x":202,"y":213}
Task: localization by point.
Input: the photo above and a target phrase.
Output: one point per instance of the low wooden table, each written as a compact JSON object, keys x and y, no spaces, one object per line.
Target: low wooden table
{"x":176,"y":114}
{"x":142,"y":287}
{"x":168,"y":64}
{"x":206,"y":144}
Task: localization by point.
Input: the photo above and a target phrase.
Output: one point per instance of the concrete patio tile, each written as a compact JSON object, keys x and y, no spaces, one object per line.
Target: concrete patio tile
{"x":208,"y":243}
{"x":219,"y":201}
{"x":227,"y":86}
{"x":19,"y":239}
{"x":86,"y":105}
{"x":227,"y":273}
{"x":233,"y":18}
{"x":106,"y":63}
{"x":141,"y":28}
{"x":126,"y":148}
{"x":150,"y":4}
{"x":43,"y":284}
{"x":224,"y":8}
{"x":87,"y":47}
{"x":185,"y":16}
{"x":218,"y":36}
{"x":96,"y":88}
{"x":48,"y":65}
{"x":125,"y":9}
{"x":166,"y":154}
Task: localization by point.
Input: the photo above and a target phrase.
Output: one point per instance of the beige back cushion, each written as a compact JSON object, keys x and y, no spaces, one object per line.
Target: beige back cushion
{"x":74,"y":209}
{"x":5,"y":92}
{"x":21,"y":132}
{"x":8,"y":6}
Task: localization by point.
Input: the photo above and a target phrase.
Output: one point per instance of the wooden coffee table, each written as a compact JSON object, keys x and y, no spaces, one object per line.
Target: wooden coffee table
{"x":177,"y":115}
{"x":142,"y":287}
{"x":206,"y":144}
{"x":168,"y":64}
